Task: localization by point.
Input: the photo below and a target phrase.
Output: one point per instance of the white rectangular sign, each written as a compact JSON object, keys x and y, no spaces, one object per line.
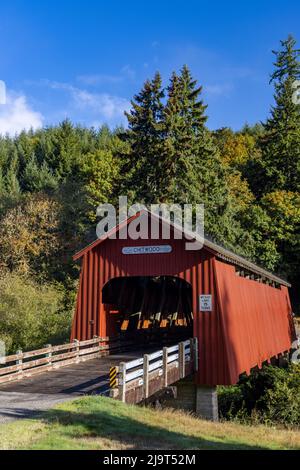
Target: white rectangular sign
{"x":146,"y":250}
{"x":205,"y":302}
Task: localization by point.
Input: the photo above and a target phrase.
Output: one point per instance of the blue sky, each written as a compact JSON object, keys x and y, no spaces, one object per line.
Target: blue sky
{"x":85,"y":59}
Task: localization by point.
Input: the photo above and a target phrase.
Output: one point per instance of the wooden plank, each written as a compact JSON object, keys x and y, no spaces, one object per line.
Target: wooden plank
{"x":173,"y":358}
{"x":10,"y":378}
{"x":37,"y":352}
{"x":36,"y":367}
{"x":62,"y":347}
{"x":155,"y":365}
{"x":83,"y":352}
{"x":134,"y":395}
{"x":155,"y":381}
{"x":134,"y":363}
{"x":11,"y":358}
{"x":134,"y":384}
{"x":59,"y":357}
{"x":155,"y":355}
{"x":9,"y":369}
{"x":86,"y":342}
{"x":173,"y":348}
{"x":45,"y":350}
{"x":133,"y":375}
{"x":35,"y":363}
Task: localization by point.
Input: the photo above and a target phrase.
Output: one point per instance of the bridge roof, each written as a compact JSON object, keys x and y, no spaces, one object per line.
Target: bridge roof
{"x":218,"y":250}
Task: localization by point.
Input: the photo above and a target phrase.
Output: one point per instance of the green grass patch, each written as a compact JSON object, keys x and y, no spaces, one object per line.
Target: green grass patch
{"x":102,"y":423}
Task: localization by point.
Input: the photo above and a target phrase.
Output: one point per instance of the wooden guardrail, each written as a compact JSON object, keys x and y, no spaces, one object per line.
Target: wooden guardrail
{"x":139,"y":379}
{"x":27,"y":364}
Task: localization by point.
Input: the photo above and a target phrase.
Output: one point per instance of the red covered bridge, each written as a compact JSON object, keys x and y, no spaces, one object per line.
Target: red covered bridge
{"x":205,"y":316}
{"x":147,"y":288}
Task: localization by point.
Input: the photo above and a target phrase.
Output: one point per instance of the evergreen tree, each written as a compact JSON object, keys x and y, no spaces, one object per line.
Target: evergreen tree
{"x":11,"y":178}
{"x":281,"y":142}
{"x":37,"y":178}
{"x":144,"y":136}
{"x":195,"y":173}
{"x":183,"y":125}
{"x":2,"y":183}
{"x":281,"y":161}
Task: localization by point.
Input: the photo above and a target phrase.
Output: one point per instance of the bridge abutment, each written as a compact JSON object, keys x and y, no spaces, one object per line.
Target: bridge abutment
{"x":207,"y":402}
{"x":202,"y":400}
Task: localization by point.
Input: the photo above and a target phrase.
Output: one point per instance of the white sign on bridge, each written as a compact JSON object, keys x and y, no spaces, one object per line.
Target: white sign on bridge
{"x":146,"y":250}
{"x":205,"y":303}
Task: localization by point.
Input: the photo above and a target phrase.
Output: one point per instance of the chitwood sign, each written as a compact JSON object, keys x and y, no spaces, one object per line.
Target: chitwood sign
{"x":146,"y":250}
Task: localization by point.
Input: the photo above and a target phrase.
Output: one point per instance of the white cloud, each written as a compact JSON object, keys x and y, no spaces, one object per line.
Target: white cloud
{"x":108,"y":108}
{"x":17,"y":115}
{"x":2,"y":92}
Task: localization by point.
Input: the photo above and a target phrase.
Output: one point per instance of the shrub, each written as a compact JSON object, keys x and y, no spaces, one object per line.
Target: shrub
{"x":31,"y":314}
{"x":270,"y":395}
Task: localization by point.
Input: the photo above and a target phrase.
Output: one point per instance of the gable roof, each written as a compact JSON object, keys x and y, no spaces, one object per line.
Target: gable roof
{"x":219,"y":251}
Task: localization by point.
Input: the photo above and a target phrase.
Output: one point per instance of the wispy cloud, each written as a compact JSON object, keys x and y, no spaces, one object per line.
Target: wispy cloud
{"x":126,"y":72}
{"x":106,"y":107}
{"x":109,"y":106}
{"x":99,"y":79}
{"x":218,"y":89}
{"x":16,"y":115}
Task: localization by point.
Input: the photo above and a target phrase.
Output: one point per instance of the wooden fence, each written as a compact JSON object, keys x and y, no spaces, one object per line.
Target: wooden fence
{"x":26,"y":364}
{"x":139,"y":379}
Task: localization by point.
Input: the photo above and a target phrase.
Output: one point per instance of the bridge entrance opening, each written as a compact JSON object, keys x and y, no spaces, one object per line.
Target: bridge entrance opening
{"x":146,"y":309}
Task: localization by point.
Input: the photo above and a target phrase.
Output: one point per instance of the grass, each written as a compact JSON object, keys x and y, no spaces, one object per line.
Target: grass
{"x":102,"y":423}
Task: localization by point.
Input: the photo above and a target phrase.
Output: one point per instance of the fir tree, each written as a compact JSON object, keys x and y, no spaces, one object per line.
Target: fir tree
{"x":193,"y":168}
{"x":144,"y":136}
{"x":281,"y":142}
{"x":184,"y":120}
{"x":37,"y":178}
{"x":11,"y":177}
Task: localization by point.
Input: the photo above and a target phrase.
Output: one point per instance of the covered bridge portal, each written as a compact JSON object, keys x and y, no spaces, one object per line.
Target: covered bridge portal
{"x":240,"y":313}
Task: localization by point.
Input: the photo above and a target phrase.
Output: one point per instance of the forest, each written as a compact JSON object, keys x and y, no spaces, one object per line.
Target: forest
{"x":53,"y":179}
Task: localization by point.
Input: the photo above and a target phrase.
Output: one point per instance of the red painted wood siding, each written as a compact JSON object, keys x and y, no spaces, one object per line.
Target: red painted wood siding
{"x":249,"y":323}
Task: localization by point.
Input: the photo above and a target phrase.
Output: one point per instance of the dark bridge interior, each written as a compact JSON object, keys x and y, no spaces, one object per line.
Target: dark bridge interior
{"x":148,"y":309}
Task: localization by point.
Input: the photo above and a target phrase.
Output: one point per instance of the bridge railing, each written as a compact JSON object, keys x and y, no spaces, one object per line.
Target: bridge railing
{"x":26,"y":364}
{"x":135,"y":381}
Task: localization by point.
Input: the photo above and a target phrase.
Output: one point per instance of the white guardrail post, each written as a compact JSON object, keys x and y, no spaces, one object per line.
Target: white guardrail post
{"x":19,"y":361}
{"x":181,"y":360}
{"x":165,"y":366}
{"x":49,"y":354}
{"x":195,"y":352}
{"x":122,"y":381}
{"x":146,"y":375}
{"x":77,"y":348}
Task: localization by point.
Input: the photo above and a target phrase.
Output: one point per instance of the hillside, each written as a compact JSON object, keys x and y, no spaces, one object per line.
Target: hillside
{"x":101,"y":423}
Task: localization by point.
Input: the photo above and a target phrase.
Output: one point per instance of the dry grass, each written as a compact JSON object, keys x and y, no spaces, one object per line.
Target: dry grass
{"x":101,"y":423}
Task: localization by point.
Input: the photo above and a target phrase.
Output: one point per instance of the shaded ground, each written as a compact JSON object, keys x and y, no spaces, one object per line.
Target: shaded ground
{"x":102,"y":423}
